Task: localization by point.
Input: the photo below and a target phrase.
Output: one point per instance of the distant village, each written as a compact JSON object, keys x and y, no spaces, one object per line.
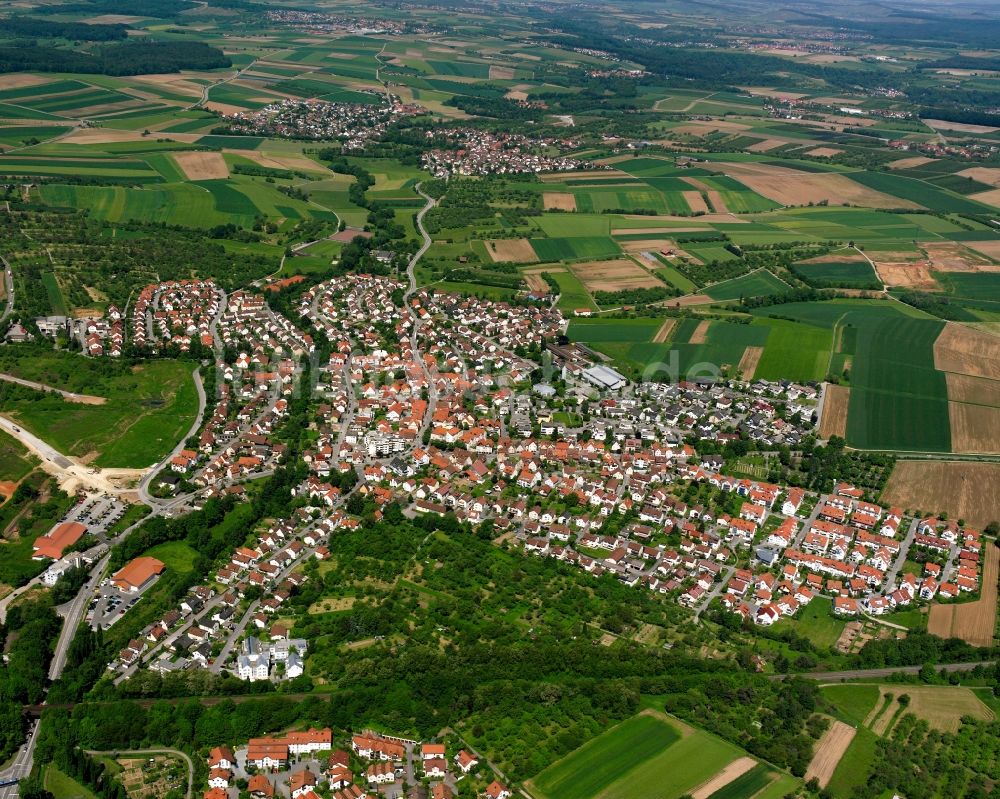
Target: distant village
{"x":477,"y":152}
{"x":353,"y":124}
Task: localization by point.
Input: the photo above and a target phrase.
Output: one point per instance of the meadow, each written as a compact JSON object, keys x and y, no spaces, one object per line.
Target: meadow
{"x":755,"y":284}
{"x":148,"y":410}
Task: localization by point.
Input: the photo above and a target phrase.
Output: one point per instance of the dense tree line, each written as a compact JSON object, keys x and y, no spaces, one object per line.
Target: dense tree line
{"x":133,"y":57}
{"x":163,"y":9}
{"x":48,"y":29}
{"x":29,"y":633}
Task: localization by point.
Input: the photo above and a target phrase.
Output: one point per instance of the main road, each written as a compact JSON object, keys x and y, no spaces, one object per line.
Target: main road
{"x":417,"y":322}
{"x":21,"y":766}
{"x":888,"y":671}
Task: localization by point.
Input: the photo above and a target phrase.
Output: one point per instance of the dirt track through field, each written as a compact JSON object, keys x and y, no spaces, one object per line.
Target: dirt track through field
{"x":700,"y":333}
{"x":665,"y":330}
{"x":829,"y":750}
{"x":973,"y":622}
{"x":737,"y":768}
{"x":202,"y":165}
{"x":835,"y":405}
{"x":749,"y":361}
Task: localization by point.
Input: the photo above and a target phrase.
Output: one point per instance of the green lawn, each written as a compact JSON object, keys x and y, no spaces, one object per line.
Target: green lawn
{"x":62,"y":786}
{"x":815,"y":623}
{"x":176,"y":555}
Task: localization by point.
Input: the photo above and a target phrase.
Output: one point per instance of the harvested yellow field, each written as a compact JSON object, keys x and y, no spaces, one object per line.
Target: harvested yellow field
{"x":911,"y":162}
{"x":792,"y":187}
{"x":202,"y":165}
{"x":665,"y":330}
{"x":941,"y":706}
{"x":764,"y":145}
{"x":967,"y":351}
{"x":617,"y":274}
{"x":700,"y":333}
{"x":558,"y":201}
{"x":517,"y":251}
{"x":20,"y":80}
{"x":974,"y":428}
{"x":749,"y":361}
{"x":836,"y":401}
{"x":828,"y":752}
{"x":963,"y":490}
{"x":695,"y":202}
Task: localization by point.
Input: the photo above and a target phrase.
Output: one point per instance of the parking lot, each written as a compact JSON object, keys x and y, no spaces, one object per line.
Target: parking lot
{"x":109,"y":604}
{"x":98,"y":512}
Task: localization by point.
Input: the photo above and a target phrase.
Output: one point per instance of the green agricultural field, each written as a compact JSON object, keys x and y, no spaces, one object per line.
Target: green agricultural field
{"x":723,"y":347}
{"x":746,"y":785}
{"x":756,"y":284}
{"x":644,"y":756}
{"x":561,"y":225}
{"x":599,"y":763}
{"x":23,"y":134}
{"x":794,"y":351}
{"x":613,"y":330}
{"x":835,"y":273}
{"x":919,"y":191}
{"x":575,"y":248}
{"x":898,"y":400}
{"x":972,"y":285}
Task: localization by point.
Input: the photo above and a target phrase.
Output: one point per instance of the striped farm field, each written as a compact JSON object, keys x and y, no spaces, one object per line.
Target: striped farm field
{"x":899,"y":401}
{"x":647,"y":755}
{"x":755,"y":284}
